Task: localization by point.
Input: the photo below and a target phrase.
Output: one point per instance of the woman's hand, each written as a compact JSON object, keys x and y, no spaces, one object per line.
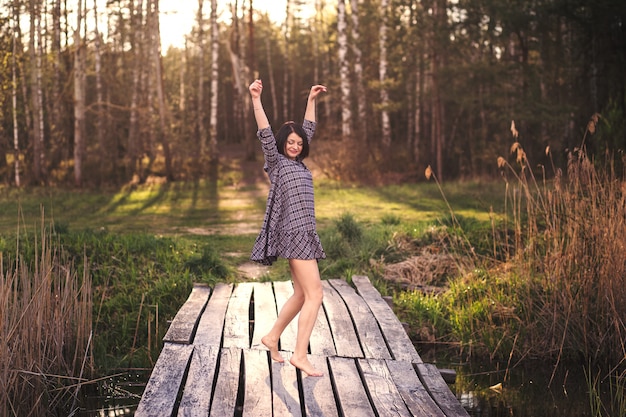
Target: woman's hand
{"x":255,"y":88}
{"x":316,"y":90}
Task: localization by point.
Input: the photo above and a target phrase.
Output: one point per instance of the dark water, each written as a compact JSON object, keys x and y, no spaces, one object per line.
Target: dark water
{"x":535,"y":390}
{"x":530,"y":391}
{"x":117,"y":395}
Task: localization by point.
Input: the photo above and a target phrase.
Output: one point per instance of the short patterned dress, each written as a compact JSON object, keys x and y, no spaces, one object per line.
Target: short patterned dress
{"x":290,"y":209}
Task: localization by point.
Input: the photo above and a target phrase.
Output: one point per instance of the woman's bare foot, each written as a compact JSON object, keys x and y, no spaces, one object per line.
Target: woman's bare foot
{"x":305,"y":366}
{"x":272,"y":345}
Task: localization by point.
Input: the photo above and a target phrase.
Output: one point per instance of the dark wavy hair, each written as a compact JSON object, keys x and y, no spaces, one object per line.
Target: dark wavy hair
{"x":287,"y":129}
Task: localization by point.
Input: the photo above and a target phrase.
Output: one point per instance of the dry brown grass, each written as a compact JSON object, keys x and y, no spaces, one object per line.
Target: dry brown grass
{"x":45,"y":317}
{"x":569,"y":238}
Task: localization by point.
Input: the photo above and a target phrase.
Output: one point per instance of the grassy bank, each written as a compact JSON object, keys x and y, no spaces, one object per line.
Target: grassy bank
{"x":505,"y":271}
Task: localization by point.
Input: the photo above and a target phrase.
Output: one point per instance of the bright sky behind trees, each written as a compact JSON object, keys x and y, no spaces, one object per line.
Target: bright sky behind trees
{"x":178,"y":17}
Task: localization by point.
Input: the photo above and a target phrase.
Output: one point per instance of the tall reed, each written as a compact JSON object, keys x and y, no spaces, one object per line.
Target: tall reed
{"x":45,"y":327}
{"x":569,"y":237}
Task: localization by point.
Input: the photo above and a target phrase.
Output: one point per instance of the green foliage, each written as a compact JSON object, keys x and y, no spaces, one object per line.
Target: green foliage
{"x":140,"y":281}
{"x":355,"y":247}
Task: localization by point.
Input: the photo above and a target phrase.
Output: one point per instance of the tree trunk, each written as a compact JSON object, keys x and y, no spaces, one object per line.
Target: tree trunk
{"x":382,"y":72}
{"x":164,"y":113}
{"x":344,"y":71}
{"x":16,"y":137}
{"x":287,"y":63}
{"x":132,"y":151}
{"x":79,"y":97}
{"x":215,"y":45}
{"x":438,"y":137}
{"x":102,"y":148}
{"x":241,"y":77}
{"x":270,"y":67}
{"x":319,"y":7}
{"x":36,"y":92}
{"x":56,"y":106}
{"x":358,"y":69}
{"x":202,"y":133}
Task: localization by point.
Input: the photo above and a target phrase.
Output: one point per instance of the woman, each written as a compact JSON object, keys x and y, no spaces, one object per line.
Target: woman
{"x":289,"y":229}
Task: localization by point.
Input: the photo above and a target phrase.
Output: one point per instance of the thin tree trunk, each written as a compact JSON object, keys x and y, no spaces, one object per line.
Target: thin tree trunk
{"x":272,"y":79}
{"x":438,"y":139}
{"x":79,"y":97}
{"x":182,"y":101}
{"x":344,"y":71}
{"x":16,"y":137}
{"x":251,"y":56}
{"x":382,"y":71}
{"x":36,"y":93}
{"x":137,"y":47}
{"x":419,"y":106}
{"x":320,"y":5}
{"x":56,"y":103}
{"x":215,"y":45}
{"x":202,"y":132}
{"x":103,"y":150}
{"x":241,"y":76}
{"x":358,"y":67}
{"x":287,"y":65}
{"x":164,"y":114}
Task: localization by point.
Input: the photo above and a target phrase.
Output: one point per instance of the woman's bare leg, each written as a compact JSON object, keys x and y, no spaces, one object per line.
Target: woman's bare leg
{"x":289,"y":310}
{"x":306,"y":276}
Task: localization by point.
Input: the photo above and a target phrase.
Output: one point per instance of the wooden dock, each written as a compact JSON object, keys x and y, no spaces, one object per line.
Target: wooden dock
{"x":213,"y":363}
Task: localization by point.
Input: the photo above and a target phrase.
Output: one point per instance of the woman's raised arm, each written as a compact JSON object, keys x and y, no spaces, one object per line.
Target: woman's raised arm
{"x":256,"y":88}
{"x":309,"y":113}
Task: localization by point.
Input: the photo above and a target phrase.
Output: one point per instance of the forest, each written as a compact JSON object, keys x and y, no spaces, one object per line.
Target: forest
{"x":89,"y":97}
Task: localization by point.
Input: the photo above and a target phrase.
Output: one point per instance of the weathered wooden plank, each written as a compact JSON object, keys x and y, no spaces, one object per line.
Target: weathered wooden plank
{"x":415,"y":395}
{"x":286,"y":396}
{"x":237,"y":319}
{"x":439,"y":390}
{"x":257,"y":399}
{"x":372,"y":340}
{"x":382,"y":389}
{"x":211,"y":324}
{"x":321,"y":340}
{"x":196,"y":399}
{"x":317,"y":392}
{"x":264,"y":312}
{"x":227,"y":387}
{"x":282,"y":291}
{"x":399,"y":343}
{"x":184,"y":324}
{"x":344,"y":335}
{"x":162,"y":389}
{"x":351,"y":394}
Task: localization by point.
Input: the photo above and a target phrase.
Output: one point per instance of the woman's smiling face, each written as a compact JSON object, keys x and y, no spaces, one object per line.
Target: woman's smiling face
{"x":293,"y":146}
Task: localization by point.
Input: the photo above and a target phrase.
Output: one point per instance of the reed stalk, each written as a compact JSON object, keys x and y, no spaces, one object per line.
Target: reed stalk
{"x":46,"y":319}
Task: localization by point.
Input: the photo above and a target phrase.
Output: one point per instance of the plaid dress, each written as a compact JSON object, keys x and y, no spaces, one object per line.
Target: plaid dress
{"x":290,"y":207}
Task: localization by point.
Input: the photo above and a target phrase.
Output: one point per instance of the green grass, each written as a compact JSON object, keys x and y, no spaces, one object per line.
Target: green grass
{"x":171,"y":208}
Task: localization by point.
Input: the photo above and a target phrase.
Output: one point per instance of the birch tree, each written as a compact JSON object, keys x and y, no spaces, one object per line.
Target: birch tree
{"x":16,"y":138}
{"x":344,"y":71}
{"x":215,"y":45}
{"x":35,"y":52}
{"x":200,"y":119}
{"x":382,"y":73}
